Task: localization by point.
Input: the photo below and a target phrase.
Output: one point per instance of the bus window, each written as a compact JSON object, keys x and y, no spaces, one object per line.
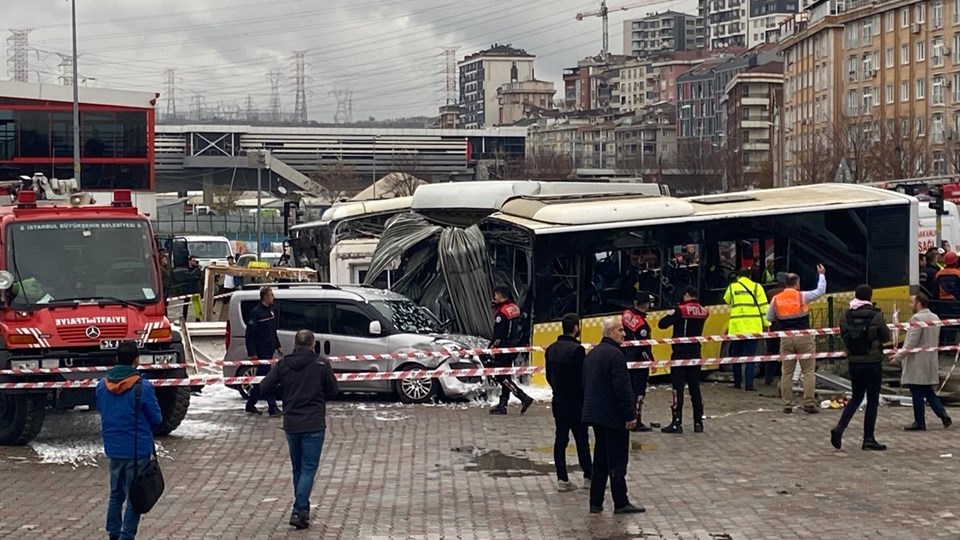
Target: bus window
{"x":683,"y":270}
{"x":558,"y":287}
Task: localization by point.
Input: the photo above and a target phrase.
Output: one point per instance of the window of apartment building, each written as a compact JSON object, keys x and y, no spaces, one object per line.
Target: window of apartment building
{"x":936,"y":51}
{"x":937,"y":85}
{"x":956,"y":88}
{"x":905,"y":128}
{"x":939,"y":163}
{"x":937,"y":7}
{"x":867,"y":99}
{"x":891,"y":59}
{"x":956,"y":43}
{"x":853,"y":67}
{"x":867,"y":30}
{"x":853,"y":103}
{"x":921,"y":15}
{"x":888,"y":93}
{"x":890,"y":18}
{"x":868,"y":64}
{"x":889,"y":127}
{"x":904,"y":17}
{"x":956,"y":122}
{"x":937,"y":128}
{"x":921,"y":51}
{"x":921,"y":128}
{"x":956,"y":11}
{"x":904,"y":54}
{"x":921,"y":89}
{"x":904,"y":90}
{"x":851,"y":36}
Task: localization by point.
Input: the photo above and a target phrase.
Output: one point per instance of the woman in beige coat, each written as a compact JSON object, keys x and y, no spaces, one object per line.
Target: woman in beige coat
{"x":921,"y":370}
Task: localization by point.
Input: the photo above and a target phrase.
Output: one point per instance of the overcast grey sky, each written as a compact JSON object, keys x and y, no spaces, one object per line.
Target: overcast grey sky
{"x":387,"y":52}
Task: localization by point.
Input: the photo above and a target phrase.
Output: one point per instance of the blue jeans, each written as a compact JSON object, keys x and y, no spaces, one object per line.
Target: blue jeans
{"x":921,"y":392}
{"x":119,"y":524}
{"x":305,"y":449}
{"x":743,"y":347}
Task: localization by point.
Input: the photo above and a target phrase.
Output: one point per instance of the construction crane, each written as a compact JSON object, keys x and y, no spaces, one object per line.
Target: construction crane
{"x":604,"y":13}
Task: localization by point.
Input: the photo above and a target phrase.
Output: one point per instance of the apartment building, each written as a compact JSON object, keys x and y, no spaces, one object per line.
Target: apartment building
{"x":481,"y":74}
{"x":516,"y":97}
{"x":870,"y":91}
{"x":589,"y":85}
{"x":647,"y":142}
{"x":751,"y":99}
{"x":766,"y":16}
{"x":644,"y":82}
{"x":659,"y":32}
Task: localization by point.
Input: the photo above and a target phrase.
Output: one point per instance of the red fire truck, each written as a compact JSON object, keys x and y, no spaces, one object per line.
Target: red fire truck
{"x":77,"y":278}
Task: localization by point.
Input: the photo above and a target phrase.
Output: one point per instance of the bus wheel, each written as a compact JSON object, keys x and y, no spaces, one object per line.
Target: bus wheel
{"x":21,"y":417}
{"x":174,"y":402}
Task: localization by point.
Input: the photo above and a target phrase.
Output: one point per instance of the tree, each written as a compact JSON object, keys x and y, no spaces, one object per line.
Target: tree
{"x":404,"y":180}
{"x":544,"y":165}
{"x":697,"y":161}
{"x":815,"y":165}
{"x":900,"y":154}
{"x":853,"y":139}
{"x":338,"y":179}
{"x":225,"y":199}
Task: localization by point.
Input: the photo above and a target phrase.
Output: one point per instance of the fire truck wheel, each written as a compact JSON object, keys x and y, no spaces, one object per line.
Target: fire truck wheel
{"x":174,"y":402}
{"x":21,"y":417}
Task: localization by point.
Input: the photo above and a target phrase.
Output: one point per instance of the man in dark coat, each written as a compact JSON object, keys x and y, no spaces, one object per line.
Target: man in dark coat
{"x":305,"y":382}
{"x":609,"y":406}
{"x":564,"y":362}
{"x":262,"y":342}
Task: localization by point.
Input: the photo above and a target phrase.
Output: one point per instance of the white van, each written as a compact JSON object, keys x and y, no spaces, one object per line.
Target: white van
{"x":949,"y":227}
{"x":209,"y":249}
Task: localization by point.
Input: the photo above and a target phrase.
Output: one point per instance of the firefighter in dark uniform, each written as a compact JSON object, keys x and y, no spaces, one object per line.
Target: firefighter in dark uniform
{"x":506,"y":333}
{"x":687,"y":320}
{"x":637,"y":328}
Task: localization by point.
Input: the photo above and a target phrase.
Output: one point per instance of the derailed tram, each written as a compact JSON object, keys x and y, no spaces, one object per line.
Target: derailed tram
{"x":590,"y":253}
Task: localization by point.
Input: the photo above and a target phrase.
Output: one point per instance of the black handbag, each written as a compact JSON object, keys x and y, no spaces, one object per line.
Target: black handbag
{"x":148,"y":485}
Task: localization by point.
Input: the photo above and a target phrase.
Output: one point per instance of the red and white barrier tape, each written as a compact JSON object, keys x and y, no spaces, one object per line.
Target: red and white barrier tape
{"x":90,"y":369}
{"x":732,"y":360}
{"x":372,"y":376}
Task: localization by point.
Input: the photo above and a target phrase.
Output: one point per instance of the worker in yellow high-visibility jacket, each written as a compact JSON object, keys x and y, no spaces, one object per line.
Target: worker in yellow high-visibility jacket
{"x":748,"y":308}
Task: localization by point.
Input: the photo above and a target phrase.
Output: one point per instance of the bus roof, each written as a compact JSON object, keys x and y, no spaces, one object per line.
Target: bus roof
{"x":545,"y":215}
{"x":462,"y":203}
{"x":356,"y":209}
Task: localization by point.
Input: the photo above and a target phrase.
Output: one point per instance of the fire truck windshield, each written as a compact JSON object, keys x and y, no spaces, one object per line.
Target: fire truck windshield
{"x":75,"y":260}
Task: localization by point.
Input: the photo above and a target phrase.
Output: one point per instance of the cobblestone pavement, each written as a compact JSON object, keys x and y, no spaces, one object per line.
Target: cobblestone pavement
{"x":453,"y":471}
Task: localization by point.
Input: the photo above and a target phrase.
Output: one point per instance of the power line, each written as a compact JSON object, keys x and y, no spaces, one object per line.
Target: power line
{"x":450,"y":61}
{"x":300,"y":108}
{"x":18,"y":54}
{"x":171,"y":81}
{"x":274,"y":76}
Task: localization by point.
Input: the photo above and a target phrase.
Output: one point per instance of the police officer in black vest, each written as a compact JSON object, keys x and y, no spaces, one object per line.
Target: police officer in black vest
{"x":687,"y":320}
{"x":506,"y":333}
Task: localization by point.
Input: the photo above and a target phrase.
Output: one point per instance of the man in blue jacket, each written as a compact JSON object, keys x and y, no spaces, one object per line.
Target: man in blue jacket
{"x":124,"y":425}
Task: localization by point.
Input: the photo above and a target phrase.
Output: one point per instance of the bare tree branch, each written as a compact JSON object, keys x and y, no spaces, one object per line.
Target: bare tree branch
{"x":340,"y":180}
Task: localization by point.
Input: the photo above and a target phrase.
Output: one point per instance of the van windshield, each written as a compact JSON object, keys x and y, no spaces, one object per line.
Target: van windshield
{"x":408,"y":317}
{"x":75,"y":260}
{"x":209,"y":249}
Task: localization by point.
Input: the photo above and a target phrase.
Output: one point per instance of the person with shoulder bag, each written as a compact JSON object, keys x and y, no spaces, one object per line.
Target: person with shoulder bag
{"x":129,"y":412}
{"x":864,"y":332}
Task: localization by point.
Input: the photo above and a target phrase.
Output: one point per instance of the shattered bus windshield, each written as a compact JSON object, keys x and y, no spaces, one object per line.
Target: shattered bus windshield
{"x":108,"y":260}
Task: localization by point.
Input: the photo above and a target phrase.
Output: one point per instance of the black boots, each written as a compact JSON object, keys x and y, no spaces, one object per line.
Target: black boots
{"x":507,"y":386}
{"x":641,"y":427}
{"x":674,"y":428}
{"x":300,"y":521}
{"x":872,"y":444}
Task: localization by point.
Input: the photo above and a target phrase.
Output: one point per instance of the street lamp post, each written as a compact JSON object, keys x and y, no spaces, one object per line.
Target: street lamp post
{"x":375,"y":139}
{"x":76,"y":96}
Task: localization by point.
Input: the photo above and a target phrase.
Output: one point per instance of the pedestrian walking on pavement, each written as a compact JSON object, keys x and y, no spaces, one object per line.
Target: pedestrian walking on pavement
{"x":790,"y":310}
{"x":129,"y":412}
{"x":687,"y":320}
{"x":636,"y":328}
{"x":608,"y":406}
{"x":863,"y":331}
{"x":564,"y":363}
{"x":305,"y":382}
{"x":748,"y":305}
{"x":506,"y":333}
{"x":262,"y":342}
{"x":921,"y":370}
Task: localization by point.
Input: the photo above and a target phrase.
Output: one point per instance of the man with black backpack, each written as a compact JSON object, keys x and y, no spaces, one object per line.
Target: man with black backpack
{"x":864,"y":331}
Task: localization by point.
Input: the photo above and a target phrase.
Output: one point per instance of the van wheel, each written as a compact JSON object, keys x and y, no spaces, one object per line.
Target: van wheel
{"x":415,"y":390}
{"x":245,"y":389}
{"x":174,"y":402}
{"x":21,"y":417}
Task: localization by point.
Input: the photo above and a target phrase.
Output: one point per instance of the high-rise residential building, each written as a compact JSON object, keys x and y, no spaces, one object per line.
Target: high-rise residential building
{"x":644,"y":82}
{"x":659,"y":32}
{"x":589,"y":86}
{"x":871,"y":90}
{"x":751,"y":99}
{"x":745,"y":23}
{"x":481,"y":74}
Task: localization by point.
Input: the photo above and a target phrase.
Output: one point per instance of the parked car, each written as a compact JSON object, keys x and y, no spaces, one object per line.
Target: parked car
{"x":357,"y":321}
